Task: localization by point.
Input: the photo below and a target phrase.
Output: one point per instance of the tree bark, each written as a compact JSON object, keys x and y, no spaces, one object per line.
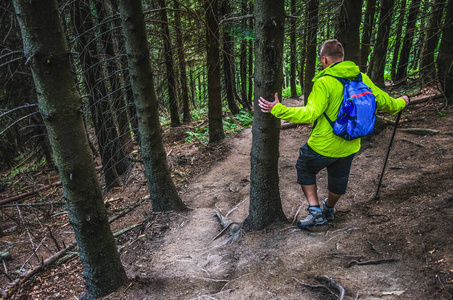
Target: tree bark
{"x":265,"y":204}
{"x":162,"y":190}
{"x":104,"y":126}
{"x":293,"y":52}
{"x":115,"y":98}
{"x":397,"y":46}
{"x":243,"y":60}
{"x":445,"y":57}
{"x":186,"y":115}
{"x":46,"y":49}
{"x":250,"y":61}
{"x":427,"y":63}
{"x":169,"y":66}
{"x":303,"y":53}
{"x":310,"y":65}
{"x":348,"y":29}
{"x":213,"y":61}
{"x":228,"y":57}
{"x":382,"y":41}
{"x":367,"y":31}
{"x":401,"y":72}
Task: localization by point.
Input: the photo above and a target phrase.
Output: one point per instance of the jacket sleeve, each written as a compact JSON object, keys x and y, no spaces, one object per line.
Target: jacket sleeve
{"x":317,"y":104}
{"x":383,"y":100}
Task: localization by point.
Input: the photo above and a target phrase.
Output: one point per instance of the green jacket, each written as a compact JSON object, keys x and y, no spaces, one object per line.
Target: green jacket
{"x":326,"y":96}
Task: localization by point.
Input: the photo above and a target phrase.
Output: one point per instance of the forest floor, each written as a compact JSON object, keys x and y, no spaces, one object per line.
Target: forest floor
{"x":407,"y":232}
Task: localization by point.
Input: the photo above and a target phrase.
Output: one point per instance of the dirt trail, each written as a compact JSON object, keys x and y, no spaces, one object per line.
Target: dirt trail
{"x":411,"y":224}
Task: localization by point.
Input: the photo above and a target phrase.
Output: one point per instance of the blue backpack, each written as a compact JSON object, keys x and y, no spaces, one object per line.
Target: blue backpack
{"x":357,"y":113}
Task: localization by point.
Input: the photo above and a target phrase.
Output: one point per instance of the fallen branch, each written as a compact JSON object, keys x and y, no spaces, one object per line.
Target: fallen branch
{"x":425,"y":99}
{"x":420,"y":131}
{"x":370,"y":262}
{"x":391,"y":122}
{"x":21,"y":196}
{"x":411,"y":142}
{"x":288,"y":125}
{"x":23,"y":277}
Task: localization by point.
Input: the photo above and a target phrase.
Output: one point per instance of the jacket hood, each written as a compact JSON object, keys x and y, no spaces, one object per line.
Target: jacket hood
{"x":343,"y":69}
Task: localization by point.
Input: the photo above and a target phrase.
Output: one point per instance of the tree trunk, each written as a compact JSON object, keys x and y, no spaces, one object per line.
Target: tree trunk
{"x":427,"y":64}
{"x":401,"y":72}
{"x":169,"y":65}
{"x":114,"y":97}
{"x":303,"y":53}
{"x":348,"y":29}
{"x":243,"y":59}
{"x":45,"y":46}
{"x":121,"y":103}
{"x":250,"y":62}
{"x":187,"y":117}
{"x":293,"y":54}
{"x":265,"y":204}
{"x":399,"y":31}
{"x":310,"y":65}
{"x":445,"y":57}
{"x":228,"y":56}
{"x":192,"y":85}
{"x":162,"y":190}
{"x":382,"y":41}
{"x":213,"y":61}
{"x":105,"y":129}
{"x":366,"y":34}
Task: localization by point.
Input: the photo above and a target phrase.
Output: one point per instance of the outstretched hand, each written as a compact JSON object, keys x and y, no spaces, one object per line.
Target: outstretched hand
{"x":267,"y":106}
{"x":406,"y":99}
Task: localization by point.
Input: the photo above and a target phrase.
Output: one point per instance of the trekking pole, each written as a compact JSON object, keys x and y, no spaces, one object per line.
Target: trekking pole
{"x":376,"y":196}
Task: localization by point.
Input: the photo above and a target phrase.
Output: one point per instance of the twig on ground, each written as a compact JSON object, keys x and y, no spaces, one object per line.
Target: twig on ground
{"x":371,"y":262}
{"x":347,"y":229}
{"x":341,"y":255}
{"x":5,"y":272}
{"x":314,"y":286}
{"x":53,"y":239}
{"x":373,"y":248}
{"x":443,"y":286}
{"x":411,"y":142}
{"x":296,"y":214}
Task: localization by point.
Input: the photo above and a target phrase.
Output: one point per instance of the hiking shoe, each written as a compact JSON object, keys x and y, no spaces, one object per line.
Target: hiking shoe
{"x":329,"y":212}
{"x":315,"y":217}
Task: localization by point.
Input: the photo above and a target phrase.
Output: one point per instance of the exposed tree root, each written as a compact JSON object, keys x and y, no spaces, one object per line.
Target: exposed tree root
{"x":370,"y":262}
{"x":331,"y":284}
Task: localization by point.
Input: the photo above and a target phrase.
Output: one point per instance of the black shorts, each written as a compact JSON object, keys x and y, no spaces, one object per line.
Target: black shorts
{"x":310,"y":163}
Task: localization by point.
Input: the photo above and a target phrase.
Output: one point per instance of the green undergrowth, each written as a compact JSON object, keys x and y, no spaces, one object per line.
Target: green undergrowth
{"x":231,"y":124}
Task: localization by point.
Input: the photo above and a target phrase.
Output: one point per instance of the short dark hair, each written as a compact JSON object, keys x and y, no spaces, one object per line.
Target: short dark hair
{"x":332,"y":49}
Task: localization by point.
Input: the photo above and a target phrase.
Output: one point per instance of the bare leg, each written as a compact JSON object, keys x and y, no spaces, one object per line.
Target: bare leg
{"x":311,"y":193}
{"x":332,"y":199}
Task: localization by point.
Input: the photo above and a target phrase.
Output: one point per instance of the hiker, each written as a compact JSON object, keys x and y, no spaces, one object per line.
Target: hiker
{"x":324,"y":149}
